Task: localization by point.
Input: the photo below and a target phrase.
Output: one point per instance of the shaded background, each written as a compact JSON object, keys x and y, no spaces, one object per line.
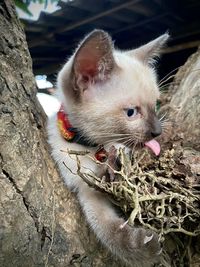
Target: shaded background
{"x":53,"y":37}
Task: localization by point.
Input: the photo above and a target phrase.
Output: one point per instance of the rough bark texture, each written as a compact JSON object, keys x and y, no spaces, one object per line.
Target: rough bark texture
{"x":40,"y":220}
{"x":182,"y":104}
{"x":183,"y":101}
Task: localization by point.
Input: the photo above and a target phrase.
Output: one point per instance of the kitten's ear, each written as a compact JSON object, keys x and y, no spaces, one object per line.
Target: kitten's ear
{"x":148,"y":52}
{"x":94,"y":60}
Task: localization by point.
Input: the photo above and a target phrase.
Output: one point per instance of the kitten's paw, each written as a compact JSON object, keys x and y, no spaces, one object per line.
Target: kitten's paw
{"x":147,"y":242}
{"x":140,"y":246}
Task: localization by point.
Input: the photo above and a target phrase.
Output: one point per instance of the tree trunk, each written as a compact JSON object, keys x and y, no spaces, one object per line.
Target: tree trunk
{"x":182,"y":104}
{"x":182,"y":101}
{"x":40,"y":220}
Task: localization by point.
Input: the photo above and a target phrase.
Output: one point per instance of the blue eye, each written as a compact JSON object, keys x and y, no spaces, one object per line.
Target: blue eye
{"x":131,"y":112}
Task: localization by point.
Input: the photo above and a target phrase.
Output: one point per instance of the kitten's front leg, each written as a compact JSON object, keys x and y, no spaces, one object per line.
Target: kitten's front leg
{"x":135,"y":246}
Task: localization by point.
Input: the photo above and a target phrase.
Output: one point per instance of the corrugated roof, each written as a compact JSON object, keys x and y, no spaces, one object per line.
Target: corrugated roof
{"x":53,"y":37}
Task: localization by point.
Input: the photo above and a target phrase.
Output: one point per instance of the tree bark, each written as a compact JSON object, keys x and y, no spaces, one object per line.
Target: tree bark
{"x":182,"y":101}
{"x":182,"y":104}
{"x":40,"y":220}
{"x":41,"y":223}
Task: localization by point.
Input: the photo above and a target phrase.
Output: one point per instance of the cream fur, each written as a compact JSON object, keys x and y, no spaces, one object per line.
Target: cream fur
{"x":131,"y":84}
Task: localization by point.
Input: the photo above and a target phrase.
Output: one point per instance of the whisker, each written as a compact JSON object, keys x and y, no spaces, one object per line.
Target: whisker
{"x":166,"y":123}
{"x":111,"y":141}
{"x":162,"y":81}
{"x":110,"y":134}
{"x":163,"y":117}
{"x":169,"y":78}
{"x":161,"y":88}
{"x":165,"y":77}
{"x":128,"y":142}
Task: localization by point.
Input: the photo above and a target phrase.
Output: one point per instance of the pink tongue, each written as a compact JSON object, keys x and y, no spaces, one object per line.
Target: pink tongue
{"x":154,"y":146}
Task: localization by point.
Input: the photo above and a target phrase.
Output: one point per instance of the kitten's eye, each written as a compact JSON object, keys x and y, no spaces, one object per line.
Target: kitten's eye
{"x":131,"y":112}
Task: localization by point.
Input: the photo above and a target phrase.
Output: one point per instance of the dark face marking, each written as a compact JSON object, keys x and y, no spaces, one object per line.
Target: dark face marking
{"x":153,"y":125}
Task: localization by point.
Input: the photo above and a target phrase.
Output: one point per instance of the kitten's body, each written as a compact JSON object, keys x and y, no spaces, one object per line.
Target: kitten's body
{"x":96,"y":86}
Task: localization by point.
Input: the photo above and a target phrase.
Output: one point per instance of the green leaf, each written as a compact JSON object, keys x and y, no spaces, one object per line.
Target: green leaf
{"x":24,"y":4}
{"x":21,"y":5}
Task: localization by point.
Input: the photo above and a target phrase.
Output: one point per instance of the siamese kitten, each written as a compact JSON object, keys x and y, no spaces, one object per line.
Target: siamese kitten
{"x":108,"y":98}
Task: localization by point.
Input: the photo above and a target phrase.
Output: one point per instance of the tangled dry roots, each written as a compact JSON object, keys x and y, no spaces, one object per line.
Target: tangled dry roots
{"x":159,"y":193}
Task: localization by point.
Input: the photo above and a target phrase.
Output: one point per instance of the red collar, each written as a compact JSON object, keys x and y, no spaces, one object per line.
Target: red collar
{"x":64,"y":125}
{"x":71,"y":135}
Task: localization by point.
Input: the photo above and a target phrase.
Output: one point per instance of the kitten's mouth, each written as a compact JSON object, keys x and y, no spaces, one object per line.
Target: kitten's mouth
{"x":154,"y":146}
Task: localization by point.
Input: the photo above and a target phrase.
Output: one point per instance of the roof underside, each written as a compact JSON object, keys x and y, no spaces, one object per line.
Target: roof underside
{"x":53,"y":37}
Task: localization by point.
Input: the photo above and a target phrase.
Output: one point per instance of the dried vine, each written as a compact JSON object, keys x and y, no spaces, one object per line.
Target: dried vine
{"x":154,"y":192}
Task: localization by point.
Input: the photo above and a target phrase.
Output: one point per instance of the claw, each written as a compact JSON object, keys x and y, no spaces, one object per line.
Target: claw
{"x":147,"y":239}
{"x":123,"y":224}
{"x":159,"y":252}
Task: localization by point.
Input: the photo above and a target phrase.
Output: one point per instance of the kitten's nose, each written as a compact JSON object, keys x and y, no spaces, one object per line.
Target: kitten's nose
{"x":154,"y":134}
{"x":157,"y":129}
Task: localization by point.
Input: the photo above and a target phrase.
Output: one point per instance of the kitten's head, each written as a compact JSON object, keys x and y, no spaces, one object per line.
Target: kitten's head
{"x":110,"y":95}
